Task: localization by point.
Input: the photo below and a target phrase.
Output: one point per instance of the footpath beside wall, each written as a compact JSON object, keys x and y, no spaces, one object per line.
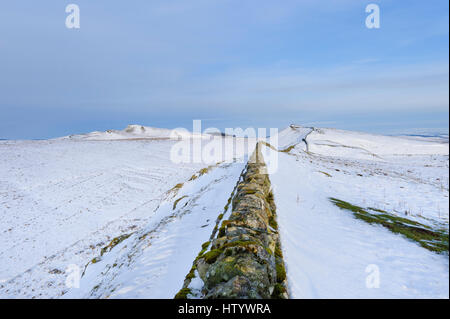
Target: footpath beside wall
{"x":244,"y":259}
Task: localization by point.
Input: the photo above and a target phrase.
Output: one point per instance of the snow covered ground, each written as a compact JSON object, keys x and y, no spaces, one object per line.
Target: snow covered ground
{"x":133,"y":132}
{"x":153,"y":262}
{"x":63,"y":200}
{"x":327,"y":251}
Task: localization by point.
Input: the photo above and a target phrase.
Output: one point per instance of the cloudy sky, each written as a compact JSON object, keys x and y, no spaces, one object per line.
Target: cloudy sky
{"x":260,"y":63}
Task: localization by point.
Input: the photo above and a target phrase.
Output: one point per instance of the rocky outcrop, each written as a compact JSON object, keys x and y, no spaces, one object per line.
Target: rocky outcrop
{"x":244,"y":259}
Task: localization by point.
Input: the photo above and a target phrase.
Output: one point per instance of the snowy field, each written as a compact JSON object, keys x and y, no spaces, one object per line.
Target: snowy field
{"x":153,"y":262}
{"x":63,"y":200}
{"x":327,"y":250}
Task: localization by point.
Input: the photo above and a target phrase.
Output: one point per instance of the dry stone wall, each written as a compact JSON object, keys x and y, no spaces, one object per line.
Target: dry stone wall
{"x":244,"y":259}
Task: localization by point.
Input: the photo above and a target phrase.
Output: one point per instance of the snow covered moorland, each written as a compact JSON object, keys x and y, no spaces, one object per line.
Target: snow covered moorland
{"x":342,"y":250}
{"x":359,"y":215}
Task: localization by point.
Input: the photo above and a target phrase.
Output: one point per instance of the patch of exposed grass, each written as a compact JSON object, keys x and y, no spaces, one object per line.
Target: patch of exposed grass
{"x":288,"y":149}
{"x":177,"y":201}
{"x":377,"y":210}
{"x":269,"y":146}
{"x":114,"y":243}
{"x":433,"y":240}
{"x":325,"y":173}
{"x":175,"y":189}
{"x":204,"y":170}
{"x":201,"y":172}
{"x":178,"y":186}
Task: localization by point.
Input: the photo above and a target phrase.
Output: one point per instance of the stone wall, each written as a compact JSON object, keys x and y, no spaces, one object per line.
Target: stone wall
{"x":245,"y":259}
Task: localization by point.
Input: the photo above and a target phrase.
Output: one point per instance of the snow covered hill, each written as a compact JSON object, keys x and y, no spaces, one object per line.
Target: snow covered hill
{"x":136,"y":132}
{"x":341,"y":143}
{"x":115,"y":205}
{"x":63,"y":200}
{"x":329,"y":253}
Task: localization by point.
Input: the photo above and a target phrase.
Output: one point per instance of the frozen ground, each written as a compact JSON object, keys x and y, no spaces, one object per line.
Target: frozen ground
{"x":327,"y":250}
{"x":153,"y":262}
{"x":63,"y":200}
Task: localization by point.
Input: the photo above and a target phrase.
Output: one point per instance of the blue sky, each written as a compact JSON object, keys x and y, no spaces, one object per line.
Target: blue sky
{"x":230,"y":63}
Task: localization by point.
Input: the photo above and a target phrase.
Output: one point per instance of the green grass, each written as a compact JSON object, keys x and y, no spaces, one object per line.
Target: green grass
{"x":425,"y":236}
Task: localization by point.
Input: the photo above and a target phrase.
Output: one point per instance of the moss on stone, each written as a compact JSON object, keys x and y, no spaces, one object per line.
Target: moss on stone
{"x":268,"y":250}
{"x":273,"y":223}
{"x":191,"y":274}
{"x":222,"y":231}
{"x":281,"y":272}
{"x":222,"y":228}
{"x":224,"y":271}
{"x":278,"y":291}
{"x":183,"y":293}
{"x":240,"y":243}
{"x":205,"y":245}
{"x":211,"y":256}
{"x":278,"y":252}
{"x":240,"y":261}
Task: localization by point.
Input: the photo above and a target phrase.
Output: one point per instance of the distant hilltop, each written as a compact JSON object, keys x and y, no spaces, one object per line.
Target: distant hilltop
{"x":134,"y":131}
